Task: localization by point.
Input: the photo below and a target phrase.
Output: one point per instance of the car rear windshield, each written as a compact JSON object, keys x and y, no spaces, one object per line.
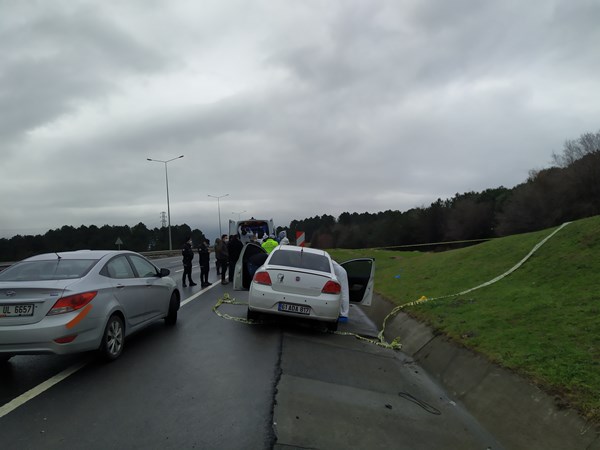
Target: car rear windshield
{"x":59,"y":269}
{"x":301,"y":260}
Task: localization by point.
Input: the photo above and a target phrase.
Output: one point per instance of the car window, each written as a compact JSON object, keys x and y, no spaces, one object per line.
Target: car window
{"x":143,"y":267}
{"x":300,"y":260}
{"x":59,"y":269}
{"x":120,"y":268}
{"x":358,"y":268}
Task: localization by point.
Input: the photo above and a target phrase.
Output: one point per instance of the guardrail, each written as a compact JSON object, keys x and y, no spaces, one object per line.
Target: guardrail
{"x":161,"y":254}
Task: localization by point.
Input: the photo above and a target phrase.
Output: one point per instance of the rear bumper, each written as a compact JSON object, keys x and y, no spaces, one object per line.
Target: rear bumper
{"x":39,"y":338}
{"x":325,"y":308}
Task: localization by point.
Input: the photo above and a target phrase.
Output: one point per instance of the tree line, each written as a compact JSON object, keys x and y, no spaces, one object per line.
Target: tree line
{"x":569,"y":190}
{"x":137,"y":238}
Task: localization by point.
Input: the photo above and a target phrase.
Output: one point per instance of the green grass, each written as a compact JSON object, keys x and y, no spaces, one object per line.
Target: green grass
{"x":541,"y":321}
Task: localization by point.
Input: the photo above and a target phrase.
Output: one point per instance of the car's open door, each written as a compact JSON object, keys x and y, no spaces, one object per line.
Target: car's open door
{"x":241,"y":273}
{"x":361,"y":279}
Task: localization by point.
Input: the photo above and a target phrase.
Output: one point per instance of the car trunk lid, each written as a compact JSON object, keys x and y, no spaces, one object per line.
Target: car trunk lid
{"x":26,"y":305}
{"x":309,"y":283}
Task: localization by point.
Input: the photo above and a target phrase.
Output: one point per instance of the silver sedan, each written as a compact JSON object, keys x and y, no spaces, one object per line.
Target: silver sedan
{"x":59,"y":303}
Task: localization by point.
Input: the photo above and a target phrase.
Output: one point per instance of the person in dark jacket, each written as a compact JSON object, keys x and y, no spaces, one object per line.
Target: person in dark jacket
{"x":222,"y":254}
{"x":204,"y":257}
{"x":255,"y":261}
{"x":215,"y":247}
{"x":235,"y":247}
{"x":188,"y":257}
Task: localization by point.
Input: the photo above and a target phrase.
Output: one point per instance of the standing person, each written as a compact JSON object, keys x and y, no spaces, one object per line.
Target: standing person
{"x":342,"y":277}
{"x":204,"y":257}
{"x":222,"y":254}
{"x":217,"y":248}
{"x":235,"y":249}
{"x":269,"y":244}
{"x":188,"y":257}
{"x":246,"y":235}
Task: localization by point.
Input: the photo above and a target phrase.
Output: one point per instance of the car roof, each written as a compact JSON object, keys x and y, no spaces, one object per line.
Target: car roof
{"x":78,"y":254}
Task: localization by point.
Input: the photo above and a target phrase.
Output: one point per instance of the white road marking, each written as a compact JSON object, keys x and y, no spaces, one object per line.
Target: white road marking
{"x":44,"y":386}
{"x":196,"y":295}
{"x":34,"y":392}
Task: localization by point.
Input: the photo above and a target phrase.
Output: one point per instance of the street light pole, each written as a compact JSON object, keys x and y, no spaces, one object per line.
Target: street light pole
{"x":239,"y":214}
{"x":219,"y":197}
{"x":168,"y":205}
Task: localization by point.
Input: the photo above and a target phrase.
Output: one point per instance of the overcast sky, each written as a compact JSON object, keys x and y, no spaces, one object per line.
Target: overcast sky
{"x":294,"y":109}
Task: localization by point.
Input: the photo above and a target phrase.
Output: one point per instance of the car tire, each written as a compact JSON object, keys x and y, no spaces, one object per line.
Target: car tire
{"x":113,"y":339}
{"x":332,"y":326}
{"x":171,"y":318}
{"x":252,"y":315}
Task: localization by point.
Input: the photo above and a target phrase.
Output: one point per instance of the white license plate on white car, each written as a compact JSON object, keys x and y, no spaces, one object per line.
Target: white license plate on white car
{"x":16,"y":310}
{"x":298,"y":309}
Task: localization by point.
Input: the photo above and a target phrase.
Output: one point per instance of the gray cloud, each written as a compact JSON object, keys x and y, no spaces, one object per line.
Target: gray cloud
{"x":295,"y":110}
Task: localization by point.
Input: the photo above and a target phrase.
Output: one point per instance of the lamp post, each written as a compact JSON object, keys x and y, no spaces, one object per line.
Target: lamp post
{"x":167,"y":180}
{"x":219,"y":197}
{"x":239,"y":214}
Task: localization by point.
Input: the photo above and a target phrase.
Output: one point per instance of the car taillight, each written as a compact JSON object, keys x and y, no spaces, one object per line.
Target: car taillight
{"x":262,"y":278}
{"x":71,"y":303}
{"x":331,"y":287}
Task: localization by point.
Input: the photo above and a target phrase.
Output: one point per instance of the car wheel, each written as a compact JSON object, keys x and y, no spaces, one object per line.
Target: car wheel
{"x":113,"y":339}
{"x":252,"y":315}
{"x":171,"y":318}
{"x":332,"y":326}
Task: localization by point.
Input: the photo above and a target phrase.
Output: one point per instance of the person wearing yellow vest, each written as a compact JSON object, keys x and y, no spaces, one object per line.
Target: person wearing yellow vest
{"x":269,"y":244}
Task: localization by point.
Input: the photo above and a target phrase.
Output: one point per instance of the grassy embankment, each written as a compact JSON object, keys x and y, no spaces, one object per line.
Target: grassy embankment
{"x":542,"y":321}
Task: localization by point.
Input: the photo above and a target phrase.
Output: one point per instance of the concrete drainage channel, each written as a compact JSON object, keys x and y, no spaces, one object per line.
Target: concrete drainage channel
{"x":515,"y":411}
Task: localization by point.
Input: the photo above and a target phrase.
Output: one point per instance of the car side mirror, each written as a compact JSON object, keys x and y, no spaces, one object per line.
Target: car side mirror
{"x":164,"y":272}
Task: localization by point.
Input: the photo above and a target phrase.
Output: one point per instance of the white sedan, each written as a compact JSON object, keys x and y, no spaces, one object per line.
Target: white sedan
{"x":301,"y":282}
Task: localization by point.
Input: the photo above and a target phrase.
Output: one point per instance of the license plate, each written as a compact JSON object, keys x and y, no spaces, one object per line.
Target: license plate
{"x":16,"y":310}
{"x":298,"y":309}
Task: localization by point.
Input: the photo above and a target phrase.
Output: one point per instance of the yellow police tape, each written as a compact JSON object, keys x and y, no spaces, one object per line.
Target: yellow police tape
{"x":380,"y":341}
{"x":227,"y":299}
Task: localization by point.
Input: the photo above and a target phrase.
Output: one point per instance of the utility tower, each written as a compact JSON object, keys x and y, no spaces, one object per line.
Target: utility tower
{"x":163,"y":219}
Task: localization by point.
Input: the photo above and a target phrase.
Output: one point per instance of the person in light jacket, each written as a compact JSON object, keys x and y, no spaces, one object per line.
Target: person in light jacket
{"x":269,"y":244}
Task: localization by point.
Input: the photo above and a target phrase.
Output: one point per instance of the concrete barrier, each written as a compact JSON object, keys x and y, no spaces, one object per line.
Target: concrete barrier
{"x":517,"y":412}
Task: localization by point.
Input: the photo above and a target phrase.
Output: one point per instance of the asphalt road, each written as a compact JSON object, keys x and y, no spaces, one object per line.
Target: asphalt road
{"x":213,"y":383}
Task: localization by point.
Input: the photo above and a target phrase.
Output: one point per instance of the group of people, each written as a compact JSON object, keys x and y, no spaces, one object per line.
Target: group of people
{"x":227,"y":252}
{"x":188,"y":258}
